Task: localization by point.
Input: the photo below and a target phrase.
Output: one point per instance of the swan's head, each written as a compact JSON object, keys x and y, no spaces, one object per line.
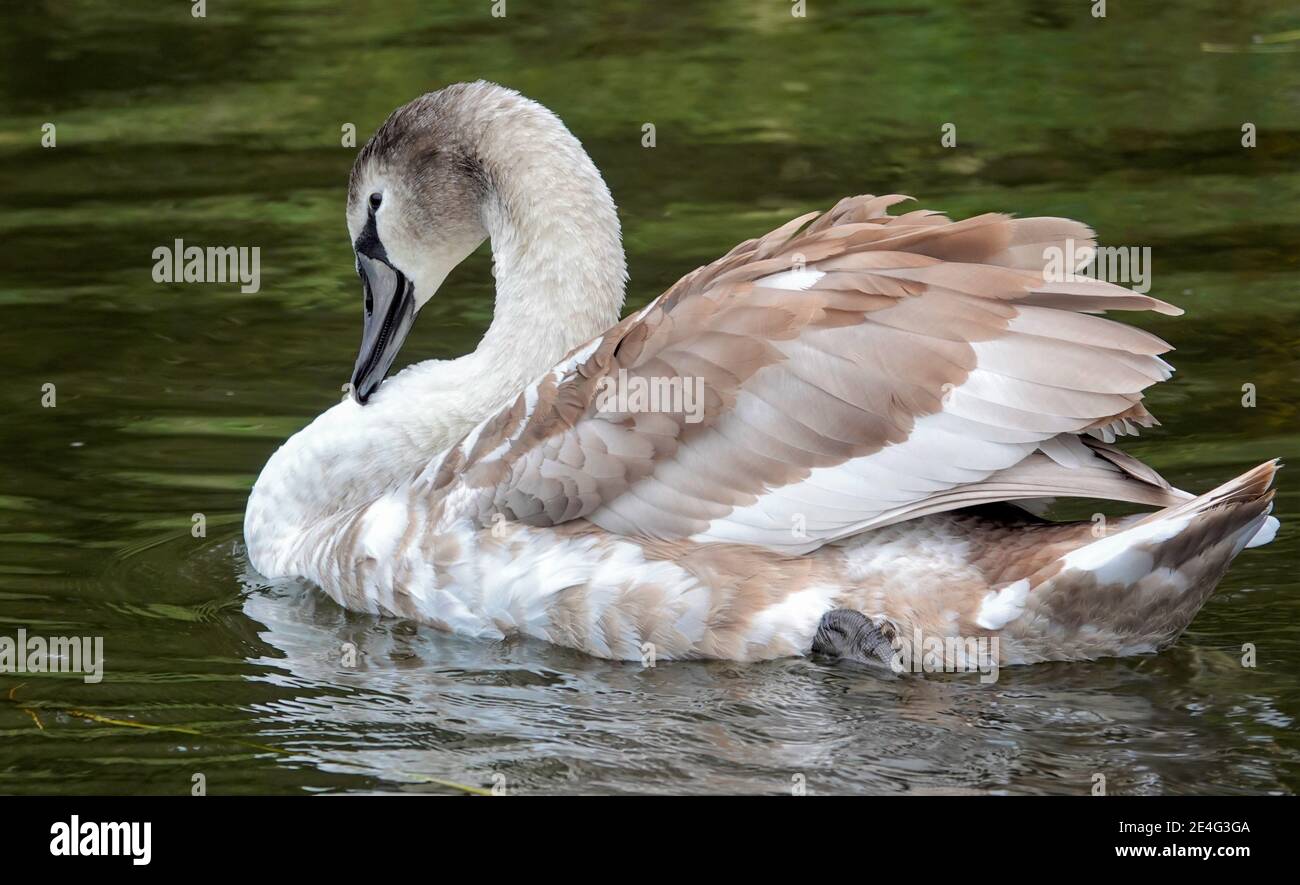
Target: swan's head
{"x":453,"y":167}
{"x":415,"y":211}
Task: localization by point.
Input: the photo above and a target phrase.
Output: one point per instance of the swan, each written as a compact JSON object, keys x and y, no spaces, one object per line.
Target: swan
{"x":883,"y":397}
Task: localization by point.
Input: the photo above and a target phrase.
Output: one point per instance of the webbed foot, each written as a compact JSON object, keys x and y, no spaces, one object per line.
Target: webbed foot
{"x":851,"y":636}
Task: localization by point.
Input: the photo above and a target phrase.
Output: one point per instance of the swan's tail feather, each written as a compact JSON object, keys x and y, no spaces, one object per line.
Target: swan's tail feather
{"x":1252,"y":487}
{"x":1136,"y":589}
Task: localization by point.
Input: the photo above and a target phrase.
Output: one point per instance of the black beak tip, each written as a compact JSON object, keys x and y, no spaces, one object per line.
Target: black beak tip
{"x":362,"y":393}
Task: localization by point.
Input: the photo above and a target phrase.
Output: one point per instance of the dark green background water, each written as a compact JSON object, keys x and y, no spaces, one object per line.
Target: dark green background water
{"x":226,"y":131}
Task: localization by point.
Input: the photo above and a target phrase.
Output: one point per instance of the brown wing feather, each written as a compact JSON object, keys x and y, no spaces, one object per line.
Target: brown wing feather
{"x":909,"y":308}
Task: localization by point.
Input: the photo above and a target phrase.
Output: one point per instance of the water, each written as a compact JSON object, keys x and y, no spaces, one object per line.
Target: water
{"x":170,"y":397}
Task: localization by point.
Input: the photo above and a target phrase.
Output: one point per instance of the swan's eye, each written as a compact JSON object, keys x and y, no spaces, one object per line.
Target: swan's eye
{"x":375,"y":199}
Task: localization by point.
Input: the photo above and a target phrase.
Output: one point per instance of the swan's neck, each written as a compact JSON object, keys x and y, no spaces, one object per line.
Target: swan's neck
{"x":560,"y":272}
{"x":556,"y":251}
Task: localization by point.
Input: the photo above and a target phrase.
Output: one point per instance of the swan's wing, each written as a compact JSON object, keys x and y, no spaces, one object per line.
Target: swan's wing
{"x":835,"y":375}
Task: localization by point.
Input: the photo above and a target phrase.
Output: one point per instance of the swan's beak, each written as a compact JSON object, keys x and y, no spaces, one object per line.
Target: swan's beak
{"x":389,"y":313}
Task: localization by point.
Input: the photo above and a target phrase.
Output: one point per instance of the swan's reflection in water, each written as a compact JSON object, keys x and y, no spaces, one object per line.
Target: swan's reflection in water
{"x":417,"y":704}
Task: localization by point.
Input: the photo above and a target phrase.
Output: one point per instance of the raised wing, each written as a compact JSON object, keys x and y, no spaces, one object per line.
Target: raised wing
{"x":835,"y":375}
